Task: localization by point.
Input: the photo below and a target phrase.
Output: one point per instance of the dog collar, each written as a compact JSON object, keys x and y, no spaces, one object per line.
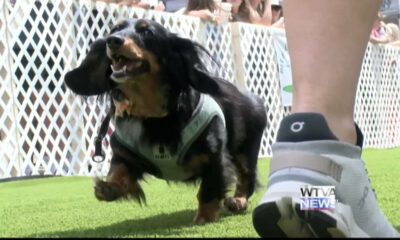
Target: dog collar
{"x":170,"y":164}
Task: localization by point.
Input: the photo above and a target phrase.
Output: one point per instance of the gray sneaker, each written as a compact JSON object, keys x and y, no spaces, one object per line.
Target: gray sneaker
{"x":300,"y":170}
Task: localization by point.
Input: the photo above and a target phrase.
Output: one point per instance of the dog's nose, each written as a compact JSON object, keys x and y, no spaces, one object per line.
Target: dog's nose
{"x":115,"y":42}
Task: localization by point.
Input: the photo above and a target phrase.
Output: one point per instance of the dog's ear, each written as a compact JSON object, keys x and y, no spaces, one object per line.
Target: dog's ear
{"x":92,"y":76}
{"x":201,"y":80}
{"x":191,"y":54}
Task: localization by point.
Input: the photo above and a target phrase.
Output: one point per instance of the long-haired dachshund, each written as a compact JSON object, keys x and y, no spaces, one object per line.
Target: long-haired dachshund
{"x":172,"y":118}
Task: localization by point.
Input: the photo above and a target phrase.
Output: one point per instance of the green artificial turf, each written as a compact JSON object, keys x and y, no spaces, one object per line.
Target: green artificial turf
{"x":66,"y":206}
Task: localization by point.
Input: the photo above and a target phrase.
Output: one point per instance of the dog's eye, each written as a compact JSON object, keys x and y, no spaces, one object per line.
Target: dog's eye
{"x":143,"y":28}
{"x":145,"y":31}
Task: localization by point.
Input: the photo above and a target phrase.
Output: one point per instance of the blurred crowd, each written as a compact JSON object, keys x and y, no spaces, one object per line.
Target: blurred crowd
{"x":385,"y":33}
{"x":261,"y":12}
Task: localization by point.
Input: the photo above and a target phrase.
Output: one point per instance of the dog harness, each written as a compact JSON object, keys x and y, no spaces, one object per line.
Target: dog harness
{"x":170,"y":165}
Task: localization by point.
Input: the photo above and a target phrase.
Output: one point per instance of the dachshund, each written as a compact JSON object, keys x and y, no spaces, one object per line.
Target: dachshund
{"x":172,"y":118}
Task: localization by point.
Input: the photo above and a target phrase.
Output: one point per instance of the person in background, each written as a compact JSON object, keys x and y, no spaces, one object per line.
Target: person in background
{"x":251,"y":11}
{"x":377,"y":30}
{"x":174,"y":5}
{"x":145,"y":4}
{"x":277,"y":14}
{"x":203,"y":9}
{"x":391,"y":33}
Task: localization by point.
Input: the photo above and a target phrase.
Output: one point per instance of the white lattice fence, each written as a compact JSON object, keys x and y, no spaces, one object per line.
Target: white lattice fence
{"x":378,"y":99}
{"x":45,"y":129}
{"x":9,"y":160}
{"x":218,"y":40}
{"x":257,"y":71}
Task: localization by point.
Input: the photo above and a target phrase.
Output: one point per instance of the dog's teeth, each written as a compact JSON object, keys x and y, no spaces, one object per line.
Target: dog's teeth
{"x":112,"y":68}
{"x":125,"y":68}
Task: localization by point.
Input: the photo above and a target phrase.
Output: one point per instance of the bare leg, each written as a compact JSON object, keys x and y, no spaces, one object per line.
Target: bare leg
{"x":327,"y":41}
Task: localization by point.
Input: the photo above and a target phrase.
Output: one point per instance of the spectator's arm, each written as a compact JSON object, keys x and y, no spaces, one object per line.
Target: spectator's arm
{"x":160,"y":6}
{"x":203,"y":14}
{"x":142,"y":4}
{"x":395,"y":43}
{"x":376,"y":40}
{"x":280,"y":23}
{"x":125,"y":2}
{"x":255,"y":17}
{"x":107,"y":1}
{"x":267,"y":14}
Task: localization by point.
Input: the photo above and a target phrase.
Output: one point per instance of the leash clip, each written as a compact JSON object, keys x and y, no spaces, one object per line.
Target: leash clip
{"x":99,"y":155}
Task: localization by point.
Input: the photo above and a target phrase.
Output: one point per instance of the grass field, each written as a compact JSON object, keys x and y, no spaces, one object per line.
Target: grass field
{"x":66,"y":206}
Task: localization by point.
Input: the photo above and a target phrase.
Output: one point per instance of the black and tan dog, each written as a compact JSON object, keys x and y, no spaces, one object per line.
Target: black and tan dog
{"x":172,"y":119}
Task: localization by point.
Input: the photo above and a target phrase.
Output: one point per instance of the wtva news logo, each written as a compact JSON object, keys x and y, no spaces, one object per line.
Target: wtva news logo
{"x":317,"y":198}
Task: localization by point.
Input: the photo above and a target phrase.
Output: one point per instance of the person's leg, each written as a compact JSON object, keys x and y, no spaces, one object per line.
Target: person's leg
{"x":327,"y":42}
{"x":319,"y":143}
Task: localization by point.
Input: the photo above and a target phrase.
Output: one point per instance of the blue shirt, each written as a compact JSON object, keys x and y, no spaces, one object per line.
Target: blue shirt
{"x":174,"y":5}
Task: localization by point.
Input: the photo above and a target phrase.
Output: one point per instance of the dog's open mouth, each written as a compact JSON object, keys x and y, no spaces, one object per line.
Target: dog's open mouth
{"x":124,"y":68}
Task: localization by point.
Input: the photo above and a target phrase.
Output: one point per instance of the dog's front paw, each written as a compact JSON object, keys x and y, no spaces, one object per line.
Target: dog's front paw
{"x":236,"y":204}
{"x":107,"y":191}
{"x":208,"y":212}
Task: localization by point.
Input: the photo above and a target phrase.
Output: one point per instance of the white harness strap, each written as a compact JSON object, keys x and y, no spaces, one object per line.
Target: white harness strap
{"x":160,"y":156}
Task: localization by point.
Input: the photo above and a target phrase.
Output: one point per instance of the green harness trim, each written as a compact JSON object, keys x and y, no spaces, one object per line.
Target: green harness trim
{"x":170,"y":165}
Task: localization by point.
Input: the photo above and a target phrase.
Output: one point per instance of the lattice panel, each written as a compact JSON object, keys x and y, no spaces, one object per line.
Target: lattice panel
{"x":183,"y":26}
{"x":46,"y":129}
{"x":377,"y":104}
{"x":391,"y":98}
{"x":9,"y":161}
{"x":258,"y":70}
{"x":217,"y":39}
{"x":37,"y":63}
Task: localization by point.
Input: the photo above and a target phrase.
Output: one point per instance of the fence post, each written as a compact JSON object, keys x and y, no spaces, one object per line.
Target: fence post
{"x":238,"y":56}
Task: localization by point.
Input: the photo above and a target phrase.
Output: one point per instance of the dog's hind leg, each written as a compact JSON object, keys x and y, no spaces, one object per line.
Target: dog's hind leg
{"x":119,"y":185}
{"x":246,"y":167}
{"x":244,"y":187}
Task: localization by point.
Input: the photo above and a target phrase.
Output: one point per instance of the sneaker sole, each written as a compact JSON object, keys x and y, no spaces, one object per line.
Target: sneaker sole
{"x":283,"y":218}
